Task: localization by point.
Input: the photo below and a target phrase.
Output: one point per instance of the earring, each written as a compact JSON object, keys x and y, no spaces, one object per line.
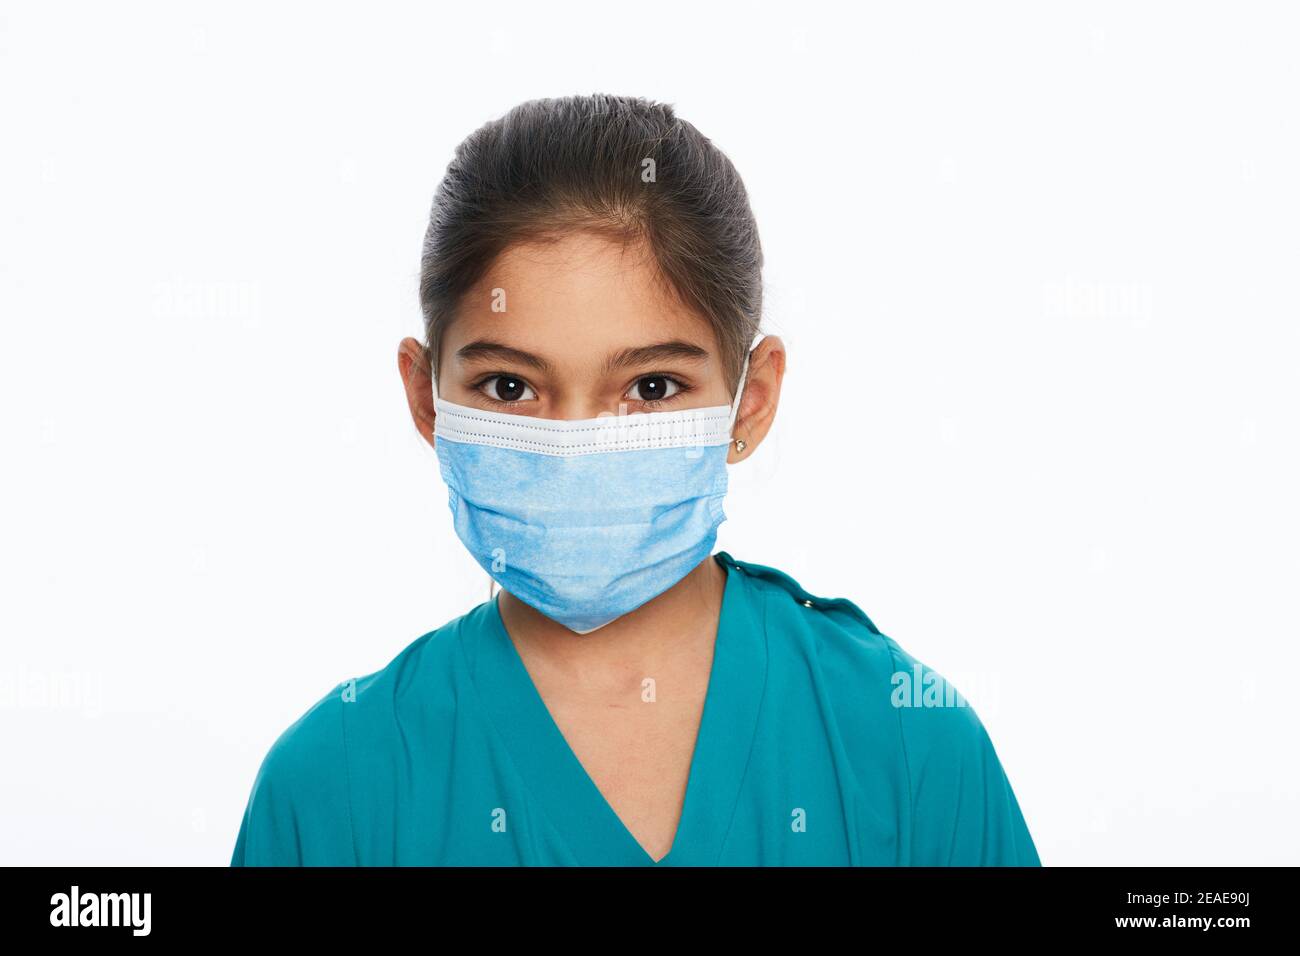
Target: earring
{"x":740,"y":444}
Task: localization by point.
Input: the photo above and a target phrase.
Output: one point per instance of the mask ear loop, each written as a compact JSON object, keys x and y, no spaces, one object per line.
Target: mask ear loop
{"x":735,"y":403}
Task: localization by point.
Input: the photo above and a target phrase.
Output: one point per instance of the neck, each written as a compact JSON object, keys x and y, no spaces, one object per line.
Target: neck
{"x":640,"y":641}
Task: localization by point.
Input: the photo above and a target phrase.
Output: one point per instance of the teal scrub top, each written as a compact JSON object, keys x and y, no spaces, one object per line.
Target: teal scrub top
{"x":817,"y":746}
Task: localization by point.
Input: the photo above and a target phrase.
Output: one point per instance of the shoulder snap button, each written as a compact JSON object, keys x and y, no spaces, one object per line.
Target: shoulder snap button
{"x":807,"y":603}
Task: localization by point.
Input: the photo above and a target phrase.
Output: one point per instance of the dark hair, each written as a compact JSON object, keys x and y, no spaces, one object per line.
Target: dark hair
{"x":557,"y":165}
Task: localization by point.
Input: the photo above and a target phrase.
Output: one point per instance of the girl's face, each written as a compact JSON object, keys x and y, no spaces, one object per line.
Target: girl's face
{"x":576,"y":329}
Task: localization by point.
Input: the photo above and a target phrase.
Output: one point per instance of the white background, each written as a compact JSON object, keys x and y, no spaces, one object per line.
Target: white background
{"x":1035,"y":266}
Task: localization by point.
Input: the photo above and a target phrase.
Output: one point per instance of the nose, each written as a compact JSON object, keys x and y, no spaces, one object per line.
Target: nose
{"x":579,"y":407}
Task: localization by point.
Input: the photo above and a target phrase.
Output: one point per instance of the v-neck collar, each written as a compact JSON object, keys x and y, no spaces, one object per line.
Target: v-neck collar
{"x":593,"y":832}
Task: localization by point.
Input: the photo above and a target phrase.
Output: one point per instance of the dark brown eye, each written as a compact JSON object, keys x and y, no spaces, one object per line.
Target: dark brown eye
{"x":652,"y":388}
{"x":506,"y":388}
{"x":509,"y":389}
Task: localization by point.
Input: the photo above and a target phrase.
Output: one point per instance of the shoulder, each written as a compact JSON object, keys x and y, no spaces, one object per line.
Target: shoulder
{"x":322,"y":731}
{"x":300,"y":747}
{"x":314,"y":777}
{"x":367,"y":720}
{"x":417,"y":686}
{"x":861,"y":663}
{"x":299,"y":795}
{"x":834,"y":633}
{"x":849,"y":647}
{"x":892,"y":710}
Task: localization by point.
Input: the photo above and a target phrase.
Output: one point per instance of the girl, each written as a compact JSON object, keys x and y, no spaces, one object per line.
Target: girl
{"x":591,"y":292}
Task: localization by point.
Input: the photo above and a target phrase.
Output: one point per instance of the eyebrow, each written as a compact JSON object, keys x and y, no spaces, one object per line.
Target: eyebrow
{"x":645,"y":354}
{"x":482,"y":349}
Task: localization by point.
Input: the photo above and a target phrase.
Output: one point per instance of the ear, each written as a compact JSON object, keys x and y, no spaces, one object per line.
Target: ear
{"x":762,"y":392}
{"x":418,"y":382}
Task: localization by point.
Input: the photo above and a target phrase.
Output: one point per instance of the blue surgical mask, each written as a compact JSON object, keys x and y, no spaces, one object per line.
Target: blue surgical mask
{"x":586,"y":520}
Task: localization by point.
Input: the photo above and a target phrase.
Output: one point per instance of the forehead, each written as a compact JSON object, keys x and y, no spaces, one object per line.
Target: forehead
{"x":582,"y":293}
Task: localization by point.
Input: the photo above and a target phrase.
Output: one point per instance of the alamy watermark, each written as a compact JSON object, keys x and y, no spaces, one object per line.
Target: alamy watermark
{"x":1076,"y":298}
